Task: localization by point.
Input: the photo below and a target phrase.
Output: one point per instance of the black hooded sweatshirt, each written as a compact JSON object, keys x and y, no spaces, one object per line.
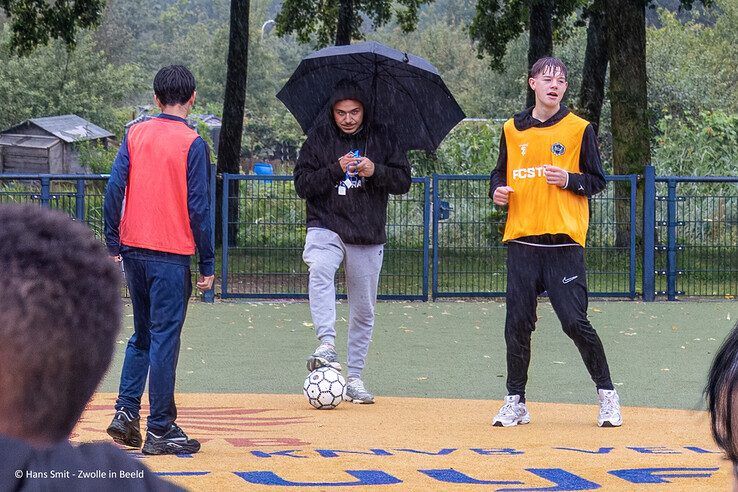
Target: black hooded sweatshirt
{"x":359,"y":216}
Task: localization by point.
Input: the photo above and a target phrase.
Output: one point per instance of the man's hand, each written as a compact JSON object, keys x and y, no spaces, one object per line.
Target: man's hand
{"x":116,"y":258}
{"x":555,"y":176}
{"x":365,"y":167}
{"x":501,"y":196}
{"x":348,"y":162}
{"x":205,"y":283}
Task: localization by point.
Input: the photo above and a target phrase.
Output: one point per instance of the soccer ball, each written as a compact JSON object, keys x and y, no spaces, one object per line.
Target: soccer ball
{"x":324,"y":388}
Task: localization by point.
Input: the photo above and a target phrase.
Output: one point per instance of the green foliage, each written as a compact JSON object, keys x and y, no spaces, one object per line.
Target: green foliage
{"x":498,"y":22}
{"x":480,"y":92}
{"x":33,"y":23}
{"x":705,"y":144}
{"x":95,"y":157}
{"x":691,"y":65}
{"x":56,"y":81}
{"x":471,"y":148}
{"x":272,"y":136}
{"x":316,"y":22}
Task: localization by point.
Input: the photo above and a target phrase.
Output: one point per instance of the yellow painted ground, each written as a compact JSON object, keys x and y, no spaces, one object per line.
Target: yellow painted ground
{"x":426,"y":444}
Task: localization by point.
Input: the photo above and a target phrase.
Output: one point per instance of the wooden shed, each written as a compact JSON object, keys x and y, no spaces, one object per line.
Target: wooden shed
{"x":47,"y":145}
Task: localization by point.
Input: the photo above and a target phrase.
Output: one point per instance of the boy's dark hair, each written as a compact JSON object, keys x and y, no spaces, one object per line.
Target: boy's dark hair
{"x":547,"y":61}
{"x":59,"y":317}
{"x":722,"y":397}
{"x":174,"y":84}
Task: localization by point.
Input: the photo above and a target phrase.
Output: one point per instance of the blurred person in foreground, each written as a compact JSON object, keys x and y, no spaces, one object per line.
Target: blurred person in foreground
{"x":721,"y":394}
{"x":60,"y":314}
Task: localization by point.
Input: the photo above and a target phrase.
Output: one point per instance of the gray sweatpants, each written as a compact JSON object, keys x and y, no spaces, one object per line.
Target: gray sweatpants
{"x":323,"y":254}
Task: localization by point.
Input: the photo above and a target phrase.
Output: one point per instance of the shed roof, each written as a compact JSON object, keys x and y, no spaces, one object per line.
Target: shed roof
{"x":68,"y":127}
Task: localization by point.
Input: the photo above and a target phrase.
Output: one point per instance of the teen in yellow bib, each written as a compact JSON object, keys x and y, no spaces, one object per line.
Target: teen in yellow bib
{"x":548,"y":167}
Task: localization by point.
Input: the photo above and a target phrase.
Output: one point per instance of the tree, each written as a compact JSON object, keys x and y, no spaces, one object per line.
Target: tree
{"x":53,"y":80}
{"x":626,"y":42}
{"x":540,"y":22}
{"x":594,"y":72}
{"x":626,"y":45}
{"x":229,"y":147}
{"x":341,"y":20}
{"x":499,"y":21}
{"x":35,"y":22}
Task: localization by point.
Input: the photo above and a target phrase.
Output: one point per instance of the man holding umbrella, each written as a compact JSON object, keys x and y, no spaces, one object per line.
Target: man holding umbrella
{"x":346,"y":171}
{"x":362,"y":106}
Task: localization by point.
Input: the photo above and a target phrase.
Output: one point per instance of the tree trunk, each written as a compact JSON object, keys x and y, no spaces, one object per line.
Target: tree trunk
{"x":592,"y":92}
{"x":626,"y":43}
{"x":541,"y":38}
{"x":229,"y":146}
{"x":344,"y":28}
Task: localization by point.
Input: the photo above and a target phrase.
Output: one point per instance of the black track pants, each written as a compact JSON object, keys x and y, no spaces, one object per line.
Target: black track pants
{"x":531,"y":270}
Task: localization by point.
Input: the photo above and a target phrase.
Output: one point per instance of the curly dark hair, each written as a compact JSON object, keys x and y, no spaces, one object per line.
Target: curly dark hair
{"x":174,"y":84}
{"x":722,"y":397}
{"x":60,"y":312}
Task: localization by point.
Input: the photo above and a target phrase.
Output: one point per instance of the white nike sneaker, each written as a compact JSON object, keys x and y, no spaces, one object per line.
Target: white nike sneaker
{"x":512,"y":413}
{"x":609,"y":409}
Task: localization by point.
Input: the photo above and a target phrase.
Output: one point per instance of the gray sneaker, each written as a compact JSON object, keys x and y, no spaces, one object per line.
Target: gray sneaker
{"x":357,"y":393}
{"x":324,"y":355}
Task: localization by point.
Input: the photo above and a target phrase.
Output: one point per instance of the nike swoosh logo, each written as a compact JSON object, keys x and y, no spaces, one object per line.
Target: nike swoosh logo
{"x":567,"y":280}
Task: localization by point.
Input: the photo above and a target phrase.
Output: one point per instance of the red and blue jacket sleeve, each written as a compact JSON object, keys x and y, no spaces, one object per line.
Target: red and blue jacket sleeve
{"x":198,"y":204}
{"x":114,"y":194}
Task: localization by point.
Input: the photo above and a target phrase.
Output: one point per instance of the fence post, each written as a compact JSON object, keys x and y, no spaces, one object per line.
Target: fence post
{"x":426,"y":234}
{"x":45,"y":191}
{"x":633,"y":180}
{"x":434,"y":217}
{"x":79,"y":195}
{"x":649,"y":232}
{"x":225,"y":239}
{"x":209,"y":295}
{"x":671,"y":218}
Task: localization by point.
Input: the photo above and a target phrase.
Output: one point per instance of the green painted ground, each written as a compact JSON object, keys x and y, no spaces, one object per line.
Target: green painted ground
{"x":659,"y":353}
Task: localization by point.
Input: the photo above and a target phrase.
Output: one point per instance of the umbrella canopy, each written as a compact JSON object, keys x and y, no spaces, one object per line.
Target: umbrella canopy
{"x":406,"y":92}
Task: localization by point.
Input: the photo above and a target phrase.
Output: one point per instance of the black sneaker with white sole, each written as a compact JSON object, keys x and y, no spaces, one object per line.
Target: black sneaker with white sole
{"x":125,"y":429}
{"x":173,"y":441}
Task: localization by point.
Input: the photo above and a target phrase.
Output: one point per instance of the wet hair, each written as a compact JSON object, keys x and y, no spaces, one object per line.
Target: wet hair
{"x":540,"y":65}
{"x":722,"y":398}
{"x":59,"y":317}
{"x":174,"y":84}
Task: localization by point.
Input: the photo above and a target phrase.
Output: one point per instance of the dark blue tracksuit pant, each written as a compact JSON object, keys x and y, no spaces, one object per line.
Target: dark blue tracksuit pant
{"x":160,"y":286}
{"x":560,"y":271}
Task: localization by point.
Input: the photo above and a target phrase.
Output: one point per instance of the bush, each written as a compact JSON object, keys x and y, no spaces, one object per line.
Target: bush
{"x":470,"y":148}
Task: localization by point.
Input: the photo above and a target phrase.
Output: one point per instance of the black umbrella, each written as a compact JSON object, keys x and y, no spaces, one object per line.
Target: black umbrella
{"x":406,"y":93}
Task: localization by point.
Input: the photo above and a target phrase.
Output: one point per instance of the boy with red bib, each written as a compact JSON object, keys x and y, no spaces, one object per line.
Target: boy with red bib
{"x":157,"y":211}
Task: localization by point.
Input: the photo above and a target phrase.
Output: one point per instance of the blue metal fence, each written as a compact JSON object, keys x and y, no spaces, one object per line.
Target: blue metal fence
{"x":687,"y":246}
{"x":79,"y":195}
{"x":264,"y":259}
{"x":690,"y":236}
{"x":469,"y":259}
